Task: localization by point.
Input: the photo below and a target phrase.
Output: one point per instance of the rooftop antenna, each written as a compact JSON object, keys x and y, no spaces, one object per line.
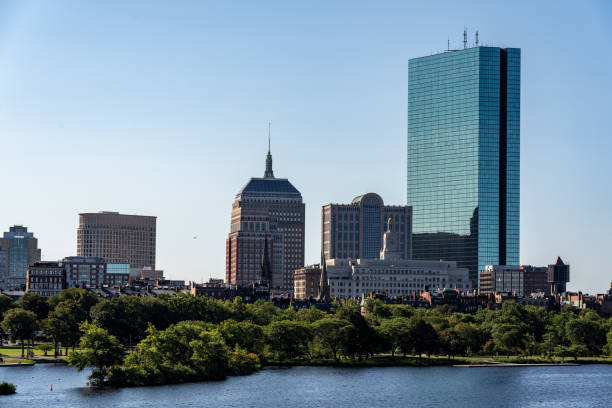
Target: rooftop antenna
{"x":477,"y":38}
{"x":269,"y":125}
{"x":464,"y":38}
{"x":448,"y":43}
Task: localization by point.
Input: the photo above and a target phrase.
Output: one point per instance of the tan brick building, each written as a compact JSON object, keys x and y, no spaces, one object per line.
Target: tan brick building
{"x":306,"y":282}
{"x":266,"y":209}
{"x":118,"y":238}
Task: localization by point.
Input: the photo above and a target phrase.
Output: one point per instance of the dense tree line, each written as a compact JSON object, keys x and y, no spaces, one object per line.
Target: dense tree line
{"x":132,"y":340}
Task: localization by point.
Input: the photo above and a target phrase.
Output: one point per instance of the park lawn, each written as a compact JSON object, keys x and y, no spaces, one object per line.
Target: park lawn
{"x":16,"y":351}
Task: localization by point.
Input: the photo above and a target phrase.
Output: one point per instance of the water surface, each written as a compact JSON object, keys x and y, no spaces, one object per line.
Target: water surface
{"x":569,"y":386}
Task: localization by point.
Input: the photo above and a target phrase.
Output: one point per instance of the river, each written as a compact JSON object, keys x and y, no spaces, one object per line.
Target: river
{"x":568,"y":386}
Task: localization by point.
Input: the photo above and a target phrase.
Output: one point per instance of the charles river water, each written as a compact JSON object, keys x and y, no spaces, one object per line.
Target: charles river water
{"x":566,"y":386}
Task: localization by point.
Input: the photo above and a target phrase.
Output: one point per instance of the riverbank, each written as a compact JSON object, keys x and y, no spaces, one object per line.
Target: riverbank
{"x":480,"y":361}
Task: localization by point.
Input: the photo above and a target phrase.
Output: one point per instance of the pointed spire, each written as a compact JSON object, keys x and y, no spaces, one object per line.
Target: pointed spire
{"x":269,"y":173}
{"x":323,"y":283}
{"x":265,"y":269}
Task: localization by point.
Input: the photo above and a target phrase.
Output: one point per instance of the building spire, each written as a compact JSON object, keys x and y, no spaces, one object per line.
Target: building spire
{"x":265,"y":269}
{"x":323,"y":282}
{"x":269,"y":173}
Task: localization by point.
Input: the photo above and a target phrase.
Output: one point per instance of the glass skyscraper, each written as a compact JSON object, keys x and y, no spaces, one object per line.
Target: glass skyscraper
{"x":464,"y":156}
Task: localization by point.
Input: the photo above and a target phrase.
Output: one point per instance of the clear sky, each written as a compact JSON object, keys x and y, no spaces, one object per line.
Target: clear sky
{"x":161,"y":108}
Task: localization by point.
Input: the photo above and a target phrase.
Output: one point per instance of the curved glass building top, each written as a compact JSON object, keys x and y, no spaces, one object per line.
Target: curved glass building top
{"x":463,"y":170}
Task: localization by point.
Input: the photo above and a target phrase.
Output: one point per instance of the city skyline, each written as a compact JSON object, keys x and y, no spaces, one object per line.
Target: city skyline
{"x":165,"y":156}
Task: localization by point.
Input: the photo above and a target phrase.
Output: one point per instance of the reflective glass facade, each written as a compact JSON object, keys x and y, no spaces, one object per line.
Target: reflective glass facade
{"x":463,"y":156}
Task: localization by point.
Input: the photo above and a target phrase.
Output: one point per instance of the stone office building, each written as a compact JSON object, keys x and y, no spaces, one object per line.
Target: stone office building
{"x":268,"y":211}
{"x":356,"y":230}
{"x":46,"y":278}
{"x":118,"y":238}
{"x":392,"y":275}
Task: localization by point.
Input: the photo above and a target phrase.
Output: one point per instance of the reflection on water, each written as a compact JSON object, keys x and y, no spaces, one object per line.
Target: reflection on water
{"x":574,"y":386}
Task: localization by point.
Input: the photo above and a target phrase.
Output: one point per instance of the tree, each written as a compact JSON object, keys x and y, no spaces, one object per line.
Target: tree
{"x":70,"y":313}
{"x":186,"y":351}
{"x":333,"y":334}
{"x":396,"y":331}
{"x":586,"y":332}
{"x":245,"y":335}
{"x":20,"y":325}
{"x":99,"y":350}
{"x":58,"y":330}
{"x":288,"y":339}
{"x":6,"y":303}
{"x":34,"y":303}
{"x":508,"y":338}
{"x":423,"y":335}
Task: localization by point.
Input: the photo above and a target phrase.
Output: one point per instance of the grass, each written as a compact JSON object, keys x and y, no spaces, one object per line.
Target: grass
{"x":38,"y":351}
{"x":388,"y":361}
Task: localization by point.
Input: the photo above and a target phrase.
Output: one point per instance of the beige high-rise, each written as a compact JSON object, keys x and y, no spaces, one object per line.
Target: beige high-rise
{"x":118,"y":238}
{"x":271,"y":210}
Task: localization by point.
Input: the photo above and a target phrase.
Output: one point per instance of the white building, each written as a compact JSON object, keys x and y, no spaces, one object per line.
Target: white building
{"x":393,"y":275}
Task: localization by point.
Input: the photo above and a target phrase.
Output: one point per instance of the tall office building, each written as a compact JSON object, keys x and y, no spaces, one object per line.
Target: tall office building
{"x":463,"y":156}
{"x":356,"y":230}
{"x":267,"y":210}
{"x":118,"y":238}
{"x":18,"y":250}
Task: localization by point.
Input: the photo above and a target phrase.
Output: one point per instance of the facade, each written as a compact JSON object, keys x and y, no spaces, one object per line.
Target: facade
{"x":306,"y":282}
{"x":502,"y":278}
{"x":558,"y":276}
{"x":118,"y":238}
{"x":93,"y":272}
{"x":392,"y":275}
{"x":46,"y":278}
{"x":117,"y":274}
{"x":18,"y":250}
{"x":84,"y":272}
{"x":267,"y":212}
{"x":356,"y":230}
{"x":463,"y":171}
{"x":151,"y":274}
{"x":536,"y":280}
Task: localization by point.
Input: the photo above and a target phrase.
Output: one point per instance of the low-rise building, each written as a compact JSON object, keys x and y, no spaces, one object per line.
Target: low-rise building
{"x":306,"y":282}
{"x":46,"y":278}
{"x":502,"y":278}
{"x":117,"y":274}
{"x":393,"y":275}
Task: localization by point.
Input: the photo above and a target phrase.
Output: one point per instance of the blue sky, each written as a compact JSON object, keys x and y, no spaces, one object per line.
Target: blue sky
{"x":161,"y":108}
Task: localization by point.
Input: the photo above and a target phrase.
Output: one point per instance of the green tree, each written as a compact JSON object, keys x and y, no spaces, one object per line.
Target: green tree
{"x":288,"y":339}
{"x":424,"y":336}
{"x":34,"y":303}
{"x":310,"y":315}
{"x":586,"y":332}
{"x":186,"y":351}
{"x":397,"y":333}
{"x":58,"y":330}
{"x":71,"y":314}
{"x":333,"y":334}
{"x":99,"y":350}
{"x":6,"y":303}
{"x":508,"y":338}
{"x":608,"y":348}
{"x":20,"y":325}
{"x":245,"y":335}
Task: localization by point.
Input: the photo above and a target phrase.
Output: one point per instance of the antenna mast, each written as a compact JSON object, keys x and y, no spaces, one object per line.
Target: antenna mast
{"x":464,"y":38}
{"x":269,"y":125}
{"x":477,"y":38}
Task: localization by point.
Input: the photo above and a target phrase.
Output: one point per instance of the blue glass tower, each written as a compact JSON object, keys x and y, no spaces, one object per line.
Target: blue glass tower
{"x":464,"y":156}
